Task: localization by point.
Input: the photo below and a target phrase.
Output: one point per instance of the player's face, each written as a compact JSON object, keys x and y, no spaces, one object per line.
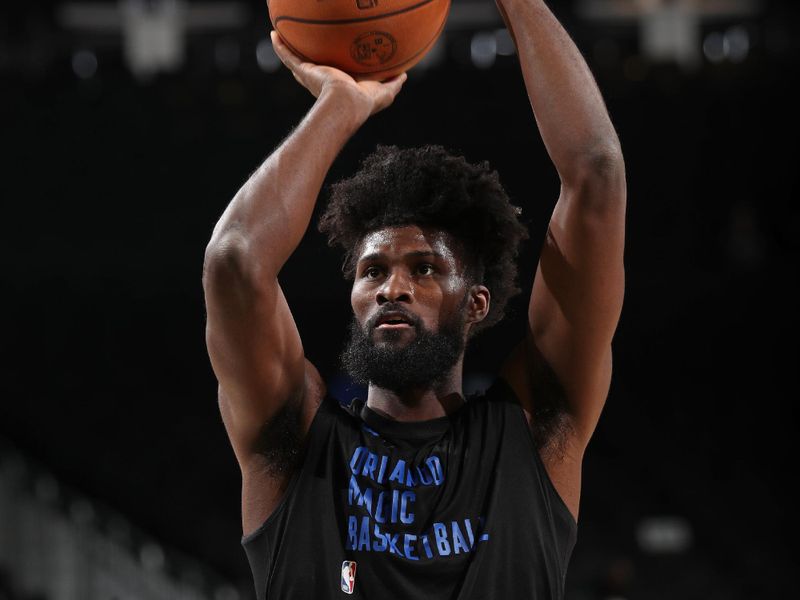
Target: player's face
{"x":408,"y":279}
{"x":409,"y":301}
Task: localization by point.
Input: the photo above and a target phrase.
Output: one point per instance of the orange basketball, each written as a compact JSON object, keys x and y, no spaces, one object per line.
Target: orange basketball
{"x":369,"y":39}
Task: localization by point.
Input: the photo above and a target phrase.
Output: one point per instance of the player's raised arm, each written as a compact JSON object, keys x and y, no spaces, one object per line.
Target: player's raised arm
{"x":578,"y":289}
{"x":253,"y":343}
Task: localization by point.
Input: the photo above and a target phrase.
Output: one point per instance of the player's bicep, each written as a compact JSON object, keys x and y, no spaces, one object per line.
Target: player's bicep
{"x":580,"y":276}
{"x":577,"y":297}
{"x":255,"y":351}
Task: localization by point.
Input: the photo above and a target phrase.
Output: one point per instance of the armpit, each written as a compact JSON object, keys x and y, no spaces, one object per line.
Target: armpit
{"x":550,"y":423}
{"x":280,"y":442}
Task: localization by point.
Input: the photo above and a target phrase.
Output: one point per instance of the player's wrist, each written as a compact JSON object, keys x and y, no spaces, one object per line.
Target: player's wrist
{"x":349,"y":104}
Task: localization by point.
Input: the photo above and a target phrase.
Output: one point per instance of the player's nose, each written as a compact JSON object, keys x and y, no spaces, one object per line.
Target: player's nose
{"x":397,"y":287}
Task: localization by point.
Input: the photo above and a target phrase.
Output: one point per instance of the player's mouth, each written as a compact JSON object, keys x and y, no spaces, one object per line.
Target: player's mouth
{"x":394,"y":320}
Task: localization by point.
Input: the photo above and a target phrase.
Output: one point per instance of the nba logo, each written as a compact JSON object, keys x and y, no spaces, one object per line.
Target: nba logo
{"x":348,"y":576}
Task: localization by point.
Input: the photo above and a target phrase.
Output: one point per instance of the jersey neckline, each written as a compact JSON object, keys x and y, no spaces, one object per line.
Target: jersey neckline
{"x":409,"y":430}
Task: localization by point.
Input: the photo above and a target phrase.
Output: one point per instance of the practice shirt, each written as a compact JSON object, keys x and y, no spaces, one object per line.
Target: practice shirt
{"x":459,"y":507}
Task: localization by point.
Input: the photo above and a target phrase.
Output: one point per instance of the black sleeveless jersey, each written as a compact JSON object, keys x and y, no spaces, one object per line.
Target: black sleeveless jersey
{"x":458,"y":507}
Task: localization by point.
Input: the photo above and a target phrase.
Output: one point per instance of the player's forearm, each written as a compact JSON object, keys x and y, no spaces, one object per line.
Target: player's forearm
{"x":269,"y":215}
{"x":569,"y":109}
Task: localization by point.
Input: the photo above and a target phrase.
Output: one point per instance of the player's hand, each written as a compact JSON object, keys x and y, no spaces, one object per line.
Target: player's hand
{"x":370,"y":96}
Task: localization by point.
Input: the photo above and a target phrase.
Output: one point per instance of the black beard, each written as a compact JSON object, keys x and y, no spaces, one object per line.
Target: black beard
{"x":421,"y":364}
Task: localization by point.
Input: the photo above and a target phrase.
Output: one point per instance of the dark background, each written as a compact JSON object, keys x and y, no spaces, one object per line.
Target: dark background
{"x":111,"y":186}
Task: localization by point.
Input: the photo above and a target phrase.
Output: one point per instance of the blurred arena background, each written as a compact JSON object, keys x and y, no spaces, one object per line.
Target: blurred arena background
{"x":126,"y":128}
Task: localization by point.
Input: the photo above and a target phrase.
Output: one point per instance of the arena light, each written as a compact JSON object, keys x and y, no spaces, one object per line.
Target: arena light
{"x":504,"y":42}
{"x":266,"y":58}
{"x":664,"y":535}
{"x":152,"y":33}
{"x":84,"y":64}
{"x":738,"y":43}
{"x":733,"y":45}
{"x":671,"y":31}
{"x":483,"y":49}
{"x":714,"y":47}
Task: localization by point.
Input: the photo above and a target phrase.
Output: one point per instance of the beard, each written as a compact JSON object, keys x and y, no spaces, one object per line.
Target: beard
{"x":422,"y":363}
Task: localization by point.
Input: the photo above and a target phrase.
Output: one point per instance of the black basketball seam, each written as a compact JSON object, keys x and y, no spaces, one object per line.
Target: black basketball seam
{"x":384,"y":67}
{"x":348,"y":21}
{"x":300,"y":54}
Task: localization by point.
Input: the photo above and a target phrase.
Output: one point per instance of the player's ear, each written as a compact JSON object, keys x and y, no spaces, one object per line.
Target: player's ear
{"x":478,"y":303}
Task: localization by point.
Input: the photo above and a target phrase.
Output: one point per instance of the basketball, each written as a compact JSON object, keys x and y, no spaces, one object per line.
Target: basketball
{"x":369,"y":39}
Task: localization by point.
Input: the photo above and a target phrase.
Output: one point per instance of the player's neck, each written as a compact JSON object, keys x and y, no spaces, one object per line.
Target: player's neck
{"x":419,"y":404}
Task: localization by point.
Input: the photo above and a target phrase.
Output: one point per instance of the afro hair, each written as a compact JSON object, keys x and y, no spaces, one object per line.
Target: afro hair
{"x":429,"y":187}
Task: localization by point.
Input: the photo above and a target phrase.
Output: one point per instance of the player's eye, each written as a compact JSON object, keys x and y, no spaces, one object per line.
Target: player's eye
{"x":425,"y":269}
{"x":371,"y":272}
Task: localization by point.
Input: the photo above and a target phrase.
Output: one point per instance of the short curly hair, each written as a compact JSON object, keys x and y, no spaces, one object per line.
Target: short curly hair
{"x":430,"y":187}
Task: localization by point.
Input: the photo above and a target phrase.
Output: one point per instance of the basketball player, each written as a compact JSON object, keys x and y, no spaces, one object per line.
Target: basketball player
{"x":415,"y":491}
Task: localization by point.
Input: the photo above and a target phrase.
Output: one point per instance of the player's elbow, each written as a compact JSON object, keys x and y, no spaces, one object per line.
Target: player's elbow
{"x":225,"y":259}
{"x":602,"y":165}
{"x":598,"y":183}
{"x":606,"y":161}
